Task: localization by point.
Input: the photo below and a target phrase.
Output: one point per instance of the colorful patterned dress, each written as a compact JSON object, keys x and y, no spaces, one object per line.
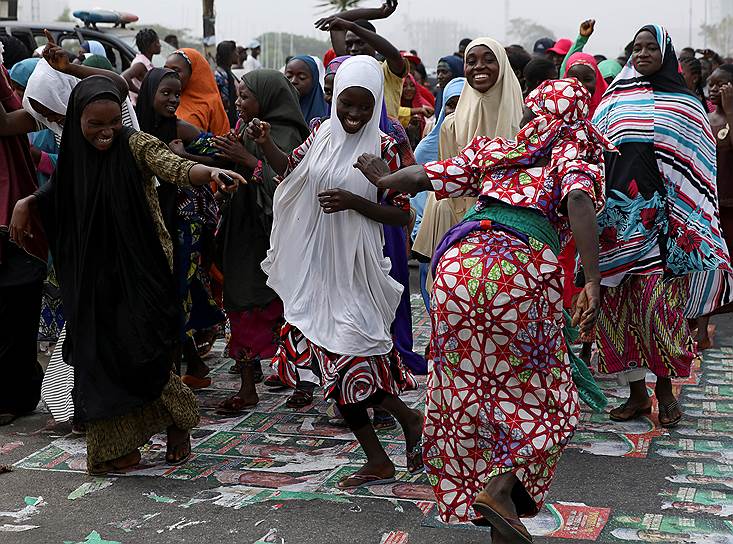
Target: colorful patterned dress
{"x":349,"y":379}
{"x":501,"y":397}
{"x":663,"y":258}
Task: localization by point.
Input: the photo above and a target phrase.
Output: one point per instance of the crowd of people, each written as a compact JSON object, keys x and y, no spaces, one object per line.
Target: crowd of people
{"x":551,"y":198}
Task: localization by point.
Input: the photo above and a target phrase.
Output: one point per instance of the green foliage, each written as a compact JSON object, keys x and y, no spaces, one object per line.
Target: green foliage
{"x":527,"y":31}
{"x":336,"y":6}
{"x":719,"y":36}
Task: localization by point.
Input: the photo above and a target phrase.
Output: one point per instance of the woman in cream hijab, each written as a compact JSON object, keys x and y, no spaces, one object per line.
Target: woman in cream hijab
{"x":490,"y":105}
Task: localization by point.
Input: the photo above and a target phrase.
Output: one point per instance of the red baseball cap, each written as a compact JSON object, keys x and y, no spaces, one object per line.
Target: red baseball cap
{"x":414,"y":59}
{"x":561,"y":47}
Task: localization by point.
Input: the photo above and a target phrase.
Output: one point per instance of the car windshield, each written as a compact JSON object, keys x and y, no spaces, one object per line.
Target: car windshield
{"x":158,"y":60}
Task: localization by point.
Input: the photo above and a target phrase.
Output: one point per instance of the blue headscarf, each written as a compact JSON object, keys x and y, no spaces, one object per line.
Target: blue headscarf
{"x":455,"y":64}
{"x":427,"y":149}
{"x":21,"y":71}
{"x":313,"y":104}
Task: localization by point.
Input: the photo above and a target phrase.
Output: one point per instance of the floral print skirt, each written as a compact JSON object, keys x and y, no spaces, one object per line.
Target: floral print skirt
{"x":500,"y":398}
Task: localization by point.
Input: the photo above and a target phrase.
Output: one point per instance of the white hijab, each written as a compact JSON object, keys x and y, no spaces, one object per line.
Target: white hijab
{"x":329,"y":269}
{"x":52,"y":88}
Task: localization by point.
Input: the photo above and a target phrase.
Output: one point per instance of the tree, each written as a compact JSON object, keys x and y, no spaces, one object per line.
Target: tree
{"x":65,"y":16}
{"x":719,"y":36}
{"x":337,"y":6}
{"x":526,"y":32}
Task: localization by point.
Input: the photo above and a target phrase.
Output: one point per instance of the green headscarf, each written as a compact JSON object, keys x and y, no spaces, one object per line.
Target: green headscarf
{"x":609,"y":68}
{"x":98,"y":61}
{"x":244,"y":235}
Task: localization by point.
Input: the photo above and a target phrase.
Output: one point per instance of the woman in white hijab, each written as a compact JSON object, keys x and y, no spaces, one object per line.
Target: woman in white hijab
{"x":490,"y":105}
{"x":326,"y":263}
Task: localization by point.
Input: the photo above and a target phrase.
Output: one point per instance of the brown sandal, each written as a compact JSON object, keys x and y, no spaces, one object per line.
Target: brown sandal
{"x":299,"y":399}
{"x":510,"y":528}
{"x":234,"y":405}
{"x":115,"y":465}
{"x":615,"y":414}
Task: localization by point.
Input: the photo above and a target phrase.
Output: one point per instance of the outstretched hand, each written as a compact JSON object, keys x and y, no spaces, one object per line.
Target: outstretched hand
{"x":56,"y":56}
{"x":373,"y":168}
{"x":587,"y":306}
{"x":587,"y":27}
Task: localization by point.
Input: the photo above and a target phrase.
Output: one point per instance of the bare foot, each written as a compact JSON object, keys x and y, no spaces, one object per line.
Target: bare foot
{"x":116,"y":465}
{"x":178,"y":447}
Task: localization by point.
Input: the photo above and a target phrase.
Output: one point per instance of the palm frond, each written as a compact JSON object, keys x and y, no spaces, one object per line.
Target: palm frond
{"x":336,"y":6}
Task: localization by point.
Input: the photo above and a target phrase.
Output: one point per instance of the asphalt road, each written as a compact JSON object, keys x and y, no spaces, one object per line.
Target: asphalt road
{"x":268,"y":475}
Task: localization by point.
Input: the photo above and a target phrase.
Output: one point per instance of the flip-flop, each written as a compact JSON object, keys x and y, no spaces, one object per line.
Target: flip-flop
{"x":194,"y":382}
{"x":115,"y":465}
{"x":183,"y":459}
{"x":636,"y":414}
{"x":511,"y":529}
{"x":233,"y":406}
{"x":364,"y":480}
{"x":299,"y":399}
{"x":384,"y":422}
{"x":666,"y":409}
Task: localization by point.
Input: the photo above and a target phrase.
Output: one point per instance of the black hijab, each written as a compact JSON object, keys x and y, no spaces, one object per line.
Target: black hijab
{"x":116,"y":283}
{"x":163,"y":128}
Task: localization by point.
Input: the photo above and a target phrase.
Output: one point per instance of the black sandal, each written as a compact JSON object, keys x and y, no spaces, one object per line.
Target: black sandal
{"x":300,"y":399}
{"x":666,"y":411}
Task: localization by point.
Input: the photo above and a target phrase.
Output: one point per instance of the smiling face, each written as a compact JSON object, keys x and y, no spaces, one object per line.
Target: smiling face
{"x":100,"y":122}
{"x":300,"y":76}
{"x":247,"y":104}
{"x":168,"y":96}
{"x":481,"y":68}
{"x":646,"y":55}
{"x":181,"y":66}
{"x":354,"y":108}
{"x":716,"y":81}
{"x":585,"y":75}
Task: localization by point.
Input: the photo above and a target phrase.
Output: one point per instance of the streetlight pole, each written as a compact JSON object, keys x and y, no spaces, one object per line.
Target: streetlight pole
{"x":209,"y":20}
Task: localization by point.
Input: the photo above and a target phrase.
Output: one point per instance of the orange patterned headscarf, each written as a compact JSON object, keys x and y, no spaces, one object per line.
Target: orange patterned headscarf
{"x":201,"y":103}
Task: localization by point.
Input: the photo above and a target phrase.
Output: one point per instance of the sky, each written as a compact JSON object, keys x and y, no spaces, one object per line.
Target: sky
{"x":415,"y":24}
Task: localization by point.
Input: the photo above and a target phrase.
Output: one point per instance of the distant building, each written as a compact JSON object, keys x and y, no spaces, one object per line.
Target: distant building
{"x":8,"y":10}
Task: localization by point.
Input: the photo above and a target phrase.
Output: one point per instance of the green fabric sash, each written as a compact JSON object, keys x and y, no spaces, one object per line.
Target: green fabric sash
{"x":536,"y":226}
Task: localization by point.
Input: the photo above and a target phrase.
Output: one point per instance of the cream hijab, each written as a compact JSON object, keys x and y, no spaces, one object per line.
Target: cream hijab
{"x":495,"y":113}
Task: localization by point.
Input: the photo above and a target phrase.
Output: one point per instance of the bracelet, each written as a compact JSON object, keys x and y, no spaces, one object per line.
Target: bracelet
{"x":257,"y":172}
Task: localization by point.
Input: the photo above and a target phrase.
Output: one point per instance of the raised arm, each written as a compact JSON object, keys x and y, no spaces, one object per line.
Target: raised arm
{"x":338,"y":36}
{"x":584,"y":34}
{"x":59,"y":60}
{"x":338,"y":28}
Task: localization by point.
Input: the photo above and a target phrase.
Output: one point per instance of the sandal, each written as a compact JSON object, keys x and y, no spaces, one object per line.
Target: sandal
{"x":666,"y":411}
{"x":513,"y":530}
{"x":300,"y":399}
{"x":116,"y":465}
{"x":194,"y":382}
{"x":184,"y":445}
{"x":383,"y":421}
{"x":234,"y":405}
{"x":415,"y":464}
{"x":363,"y":480}
{"x":616,"y":413}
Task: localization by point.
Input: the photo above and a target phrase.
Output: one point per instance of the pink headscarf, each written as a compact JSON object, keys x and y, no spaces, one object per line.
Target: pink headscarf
{"x":601,"y":85}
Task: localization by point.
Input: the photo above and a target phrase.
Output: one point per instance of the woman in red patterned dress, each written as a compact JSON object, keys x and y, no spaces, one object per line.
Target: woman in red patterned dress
{"x":501,"y":403}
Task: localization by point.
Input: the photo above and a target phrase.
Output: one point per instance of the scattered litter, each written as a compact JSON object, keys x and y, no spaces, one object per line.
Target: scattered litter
{"x":10,"y":446}
{"x":307,"y":425}
{"x":356,"y":509}
{"x":394,"y":537}
{"x":88,"y":488}
{"x":17,"y":528}
{"x":270,"y":537}
{"x":32,"y":504}
{"x":158,"y":498}
{"x":129,"y":524}
{"x":397,"y":506}
{"x":277,"y":506}
{"x":93,"y":538}
{"x":182,"y":524}
{"x":259,"y":523}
